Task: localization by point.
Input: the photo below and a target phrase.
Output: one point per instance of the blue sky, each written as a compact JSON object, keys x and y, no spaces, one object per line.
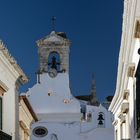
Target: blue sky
{"x":93,"y":26}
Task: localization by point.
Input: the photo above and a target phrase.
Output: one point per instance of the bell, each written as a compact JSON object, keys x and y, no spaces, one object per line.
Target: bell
{"x":100,"y":117}
{"x":100,"y":122}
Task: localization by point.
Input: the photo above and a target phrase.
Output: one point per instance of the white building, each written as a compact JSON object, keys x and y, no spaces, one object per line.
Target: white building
{"x":61,"y":116}
{"x":11,"y":78}
{"x":125,"y":104}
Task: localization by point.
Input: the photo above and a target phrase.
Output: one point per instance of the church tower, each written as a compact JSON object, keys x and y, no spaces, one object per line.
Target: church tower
{"x":51,"y":94}
{"x":54,"y":53}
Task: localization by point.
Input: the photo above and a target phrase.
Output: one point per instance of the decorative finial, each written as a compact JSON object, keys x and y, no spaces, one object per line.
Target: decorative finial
{"x":53,"y":19}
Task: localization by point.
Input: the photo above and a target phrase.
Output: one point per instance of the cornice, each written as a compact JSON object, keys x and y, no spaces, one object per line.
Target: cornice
{"x":43,"y":42}
{"x":23,"y":125}
{"x":121,"y":61}
{"x":125,"y":15}
{"x":13,"y":62}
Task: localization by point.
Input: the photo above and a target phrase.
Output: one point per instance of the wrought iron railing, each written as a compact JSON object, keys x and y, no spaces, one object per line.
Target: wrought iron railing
{"x":4,"y":136}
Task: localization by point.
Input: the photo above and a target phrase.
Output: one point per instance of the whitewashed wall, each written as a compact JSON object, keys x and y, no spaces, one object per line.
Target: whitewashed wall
{"x":126,"y":82}
{"x":9,"y":74}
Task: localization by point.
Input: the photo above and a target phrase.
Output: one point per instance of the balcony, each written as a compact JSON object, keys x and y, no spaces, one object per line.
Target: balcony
{"x":4,"y":136}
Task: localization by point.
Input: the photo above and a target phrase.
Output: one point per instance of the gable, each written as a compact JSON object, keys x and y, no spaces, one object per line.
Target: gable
{"x":52,"y":39}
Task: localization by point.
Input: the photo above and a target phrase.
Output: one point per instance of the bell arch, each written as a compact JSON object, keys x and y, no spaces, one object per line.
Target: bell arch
{"x":54,"y":61}
{"x":101,"y":119}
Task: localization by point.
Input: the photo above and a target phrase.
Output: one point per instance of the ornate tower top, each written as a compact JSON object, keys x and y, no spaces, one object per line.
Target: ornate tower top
{"x":93,"y":99}
{"x":54,"y":52}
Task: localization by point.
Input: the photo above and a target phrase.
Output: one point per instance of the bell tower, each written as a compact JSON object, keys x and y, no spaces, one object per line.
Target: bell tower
{"x":93,"y":99}
{"x":51,"y":94}
{"x":53,"y":53}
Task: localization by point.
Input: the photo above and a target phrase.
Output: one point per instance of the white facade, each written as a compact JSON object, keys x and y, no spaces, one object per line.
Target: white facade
{"x":61,"y":116}
{"x":85,"y":129}
{"x":11,"y":77}
{"x":123,"y":104}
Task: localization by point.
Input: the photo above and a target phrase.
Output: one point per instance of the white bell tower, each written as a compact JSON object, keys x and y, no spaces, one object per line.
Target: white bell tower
{"x":51,"y":94}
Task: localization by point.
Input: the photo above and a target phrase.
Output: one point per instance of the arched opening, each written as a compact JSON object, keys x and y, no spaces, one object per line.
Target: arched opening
{"x":101,"y":119}
{"x":54,"y":61}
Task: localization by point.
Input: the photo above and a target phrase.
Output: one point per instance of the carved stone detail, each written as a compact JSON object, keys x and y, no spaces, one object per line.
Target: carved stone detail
{"x":3,"y":88}
{"x":125,"y":106}
{"x":115,"y":122}
{"x":137,"y":30}
{"x":126,"y":94}
{"x":131,"y":70}
{"x":122,"y":117}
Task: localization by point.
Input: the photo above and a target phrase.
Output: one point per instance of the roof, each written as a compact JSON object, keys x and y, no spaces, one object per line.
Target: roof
{"x":62,"y":34}
{"x":54,"y":37}
{"x":12,"y":61}
{"x":84,"y":97}
{"x":88,"y":98}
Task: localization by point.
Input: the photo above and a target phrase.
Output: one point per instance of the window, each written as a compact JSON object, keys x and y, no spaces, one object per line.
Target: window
{"x":40,"y":131}
{"x":89,"y":117}
{"x":83,"y":111}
